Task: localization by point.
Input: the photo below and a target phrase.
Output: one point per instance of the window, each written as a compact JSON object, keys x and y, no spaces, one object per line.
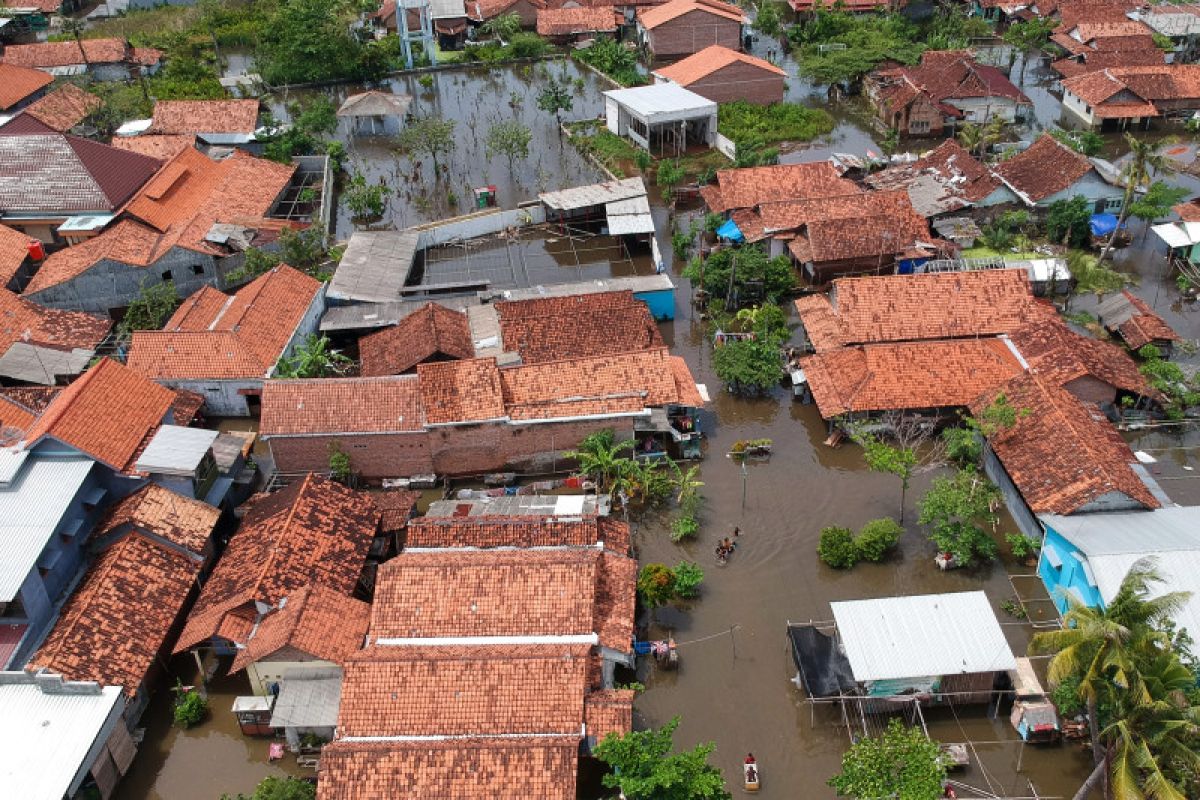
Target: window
{"x":919,"y":126}
{"x":197,"y":269}
{"x":166,"y":275}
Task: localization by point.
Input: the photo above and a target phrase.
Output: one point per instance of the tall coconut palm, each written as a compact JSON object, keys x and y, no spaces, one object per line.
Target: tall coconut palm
{"x":1146,"y":159}
{"x":600,"y":458}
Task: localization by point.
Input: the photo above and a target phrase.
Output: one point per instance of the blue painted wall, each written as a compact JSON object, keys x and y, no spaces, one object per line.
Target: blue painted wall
{"x":1070,"y":576}
{"x":661,"y":303}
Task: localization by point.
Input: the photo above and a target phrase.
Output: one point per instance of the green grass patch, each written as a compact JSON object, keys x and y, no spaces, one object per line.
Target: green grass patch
{"x":986,"y":252}
{"x":778,"y":122}
{"x":616,"y":153}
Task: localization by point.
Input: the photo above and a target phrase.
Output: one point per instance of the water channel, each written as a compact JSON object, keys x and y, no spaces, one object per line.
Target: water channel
{"x":733,"y":687}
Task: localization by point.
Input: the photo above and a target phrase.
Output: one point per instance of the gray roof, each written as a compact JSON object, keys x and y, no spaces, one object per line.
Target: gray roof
{"x":1115,"y":310}
{"x":447,"y":9}
{"x":375,"y":266}
{"x":31,"y":363}
{"x":375,"y":104}
{"x":595,"y":194}
{"x":31,"y":508}
{"x":568,"y":505}
{"x":922,"y":636}
{"x":308,"y":698}
{"x":175,"y":450}
{"x":50,"y":728}
{"x":662,"y":102}
{"x":629,"y":216}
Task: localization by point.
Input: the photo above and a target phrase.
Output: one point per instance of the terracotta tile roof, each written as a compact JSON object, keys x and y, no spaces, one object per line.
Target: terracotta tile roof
{"x":161,"y":147}
{"x":687,"y":392}
{"x":317,"y":621}
{"x":1100,"y":60}
{"x":14,"y":249}
{"x":119,"y":618}
{"x":461,"y":391}
{"x":65,"y":107}
{"x":651,"y":18}
{"x":342,"y":405}
{"x":1063,"y":454}
{"x":1060,"y":355}
{"x":1144,"y":326}
{"x":608,"y":711}
{"x":459,"y":769}
{"x":204,"y":116}
{"x":455,"y":593}
{"x":243,"y":337}
{"x":1044,"y":169}
{"x":954,"y":75}
{"x":483,"y":10}
{"x":567,"y":21}
{"x":433,"y":331}
{"x":45,"y":55}
{"x":18,"y":83}
{"x":172,"y":517}
{"x":15,"y":419}
{"x":610,"y":384}
{"x":849,"y":226}
{"x":709,"y":60}
{"x":107,"y":413}
{"x":1158,"y":83}
{"x":959,"y":174}
{"x":428,"y":532}
{"x":21,"y":320}
{"x":939,"y":305}
{"x":1087,"y":31}
{"x":915,"y":375}
{"x":550,"y":329}
{"x":177,"y":207}
{"x":33,"y":399}
{"x":314,"y":531}
{"x":395,"y":508}
{"x":464,"y":691}
{"x":749,"y":187}
{"x":44,"y":171}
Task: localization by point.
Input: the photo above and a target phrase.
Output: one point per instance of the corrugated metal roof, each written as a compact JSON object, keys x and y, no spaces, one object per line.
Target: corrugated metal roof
{"x":629,"y":216}
{"x":922,"y":635}
{"x":46,"y":737}
{"x":374,"y":267}
{"x":175,"y":449}
{"x":308,"y":699}
{"x":595,"y":194}
{"x":661,"y":102}
{"x":30,"y":509}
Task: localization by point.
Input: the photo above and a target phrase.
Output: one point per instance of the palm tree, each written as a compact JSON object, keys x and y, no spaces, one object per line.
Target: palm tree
{"x":1102,"y":647}
{"x":600,"y":458}
{"x":1145,"y":160}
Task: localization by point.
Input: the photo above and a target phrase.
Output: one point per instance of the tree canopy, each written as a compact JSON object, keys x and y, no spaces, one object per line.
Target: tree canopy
{"x":901,"y":764}
{"x":310,"y":40}
{"x":644,"y":768}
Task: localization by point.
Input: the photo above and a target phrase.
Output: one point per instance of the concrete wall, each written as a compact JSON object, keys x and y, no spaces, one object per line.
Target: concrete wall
{"x":378,"y":455}
{"x":1027,"y":523}
{"x":1079,"y":108}
{"x":110,"y":285}
{"x":692,"y":32}
{"x":1070,"y":578}
{"x":485,"y":223}
{"x":1091,"y":186}
{"x":740,"y":81}
{"x":221,"y":398}
{"x":986,"y":109}
{"x":268,"y":670}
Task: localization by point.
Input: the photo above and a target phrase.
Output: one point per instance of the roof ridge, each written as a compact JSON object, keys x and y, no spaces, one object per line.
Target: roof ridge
{"x":279,"y":535}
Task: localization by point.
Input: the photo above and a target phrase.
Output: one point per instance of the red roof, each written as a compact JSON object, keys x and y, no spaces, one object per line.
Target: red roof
{"x":461,"y":391}
{"x":121,"y":615}
{"x":14,"y":249}
{"x":575,"y":326}
{"x":709,"y":60}
{"x":459,"y":593}
{"x":568,"y":21}
{"x":163,"y":147}
{"x":1144,"y":326}
{"x":751,"y":186}
{"x":954,"y":75}
{"x":46,"y":55}
{"x":1062,"y":452}
{"x":107,"y":413}
{"x":213,"y":335}
{"x":431,"y":332}
{"x":163,"y":514}
{"x":204,"y":116}
{"x":23,"y":321}
{"x":960,"y":174}
{"x":314,"y":620}
{"x":650,"y":18}
{"x":65,"y":107}
{"x":1044,"y":169}
{"x":487,"y":532}
{"x":1061,"y":356}
{"x":313,"y":531}
{"x":342,"y":405}
{"x":18,"y":83}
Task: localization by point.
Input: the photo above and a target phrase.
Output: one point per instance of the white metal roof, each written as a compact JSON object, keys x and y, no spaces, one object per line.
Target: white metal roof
{"x":635,"y":283}
{"x":663,"y":102}
{"x":1178,"y":234}
{"x":31,"y":507}
{"x":374,"y":267}
{"x":48,"y":736}
{"x":11,"y":459}
{"x":594,"y":194}
{"x":175,"y":449}
{"x":922,"y":635}
{"x":629,"y":216}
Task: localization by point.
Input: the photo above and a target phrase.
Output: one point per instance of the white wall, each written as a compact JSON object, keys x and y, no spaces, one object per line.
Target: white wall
{"x":1079,"y":108}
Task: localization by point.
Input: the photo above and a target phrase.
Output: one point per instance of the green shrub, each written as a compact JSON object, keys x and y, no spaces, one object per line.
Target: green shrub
{"x":688,"y":577}
{"x":836,"y":548}
{"x":778,"y":122}
{"x":656,"y":585}
{"x":527,"y":45}
{"x":876,"y":538}
{"x":190,"y":708}
{"x":684,"y":527}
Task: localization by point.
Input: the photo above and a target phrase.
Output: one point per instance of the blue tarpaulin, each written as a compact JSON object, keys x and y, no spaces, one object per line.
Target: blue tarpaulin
{"x":730,"y":230}
{"x":1103,"y":224}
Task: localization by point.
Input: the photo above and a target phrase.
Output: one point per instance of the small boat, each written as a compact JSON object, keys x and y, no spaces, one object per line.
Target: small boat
{"x":751,"y":779}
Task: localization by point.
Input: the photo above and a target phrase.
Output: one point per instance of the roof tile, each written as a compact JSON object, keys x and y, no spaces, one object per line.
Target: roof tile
{"x":18,"y":83}
{"x":709,"y":60}
{"x":650,"y":18}
{"x":315,"y":620}
{"x":431,"y":332}
{"x":65,"y":107}
{"x":573,"y":326}
{"x":204,"y":116}
{"x":342,"y":405}
{"x":1045,"y":168}
{"x":180,"y":520}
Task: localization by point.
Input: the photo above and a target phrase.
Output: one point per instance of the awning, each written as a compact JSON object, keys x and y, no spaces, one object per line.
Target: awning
{"x":729,"y":230}
{"x":629,"y":216}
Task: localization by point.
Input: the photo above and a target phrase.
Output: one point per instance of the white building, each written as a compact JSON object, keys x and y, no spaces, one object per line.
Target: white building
{"x":664,"y":118}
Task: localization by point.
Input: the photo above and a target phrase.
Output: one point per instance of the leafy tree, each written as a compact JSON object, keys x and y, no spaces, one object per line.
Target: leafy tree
{"x":340,"y":468}
{"x":876,"y":538}
{"x":957,"y":508}
{"x":688,"y":577}
{"x":1163,"y":42}
{"x":978,"y":139}
{"x":308,"y":40}
{"x":869,"y":40}
{"x":767,"y":21}
{"x":276,"y":788}
{"x":190,"y":706}
{"x":150,"y":309}
{"x":836,"y":548}
{"x":1092,"y":276}
{"x":502,"y":26}
{"x":901,"y":764}
{"x":748,"y":366}
{"x":656,"y":585}
{"x":1029,"y":35}
{"x":1145,"y":160}
{"x":510,"y":139}
{"x":556,"y":98}
{"x":614,"y":60}
{"x":737,"y":268}
{"x":365,"y":200}
{"x":1181,"y":391}
{"x":600,"y":458}
{"x":896,"y":459}
{"x":429,"y":136}
{"x":313,"y":358}
{"x":669,"y":175}
{"x":1069,"y":221}
{"x":643,"y":767}
{"x":1087,"y":142}
{"x":1156,"y":203}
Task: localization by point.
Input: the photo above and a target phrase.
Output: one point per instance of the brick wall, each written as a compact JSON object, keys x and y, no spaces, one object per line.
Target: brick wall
{"x":693,"y":32}
{"x":740,"y":82}
{"x":382,"y":455}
